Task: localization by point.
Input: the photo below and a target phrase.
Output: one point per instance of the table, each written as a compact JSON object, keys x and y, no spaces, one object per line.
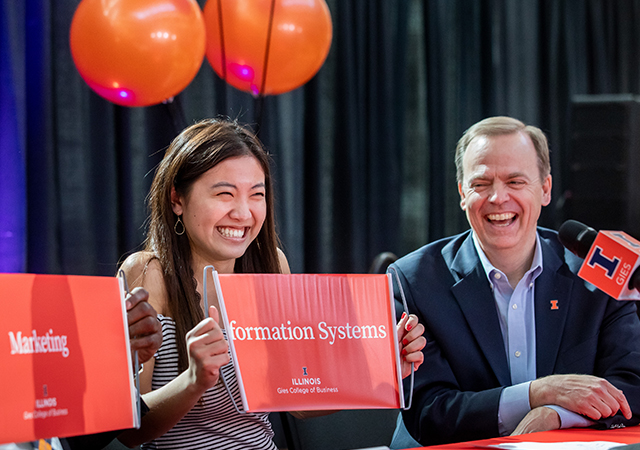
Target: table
{"x":630,"y":435}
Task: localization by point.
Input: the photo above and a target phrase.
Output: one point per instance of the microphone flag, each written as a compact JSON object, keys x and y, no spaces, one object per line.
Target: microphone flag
{"x":612,"y":259}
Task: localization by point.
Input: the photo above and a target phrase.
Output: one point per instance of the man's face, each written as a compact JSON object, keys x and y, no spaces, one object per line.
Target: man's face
{"x":502,"y":193}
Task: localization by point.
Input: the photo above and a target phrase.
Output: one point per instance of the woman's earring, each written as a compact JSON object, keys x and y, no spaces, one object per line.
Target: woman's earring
{"x":179,"y":227}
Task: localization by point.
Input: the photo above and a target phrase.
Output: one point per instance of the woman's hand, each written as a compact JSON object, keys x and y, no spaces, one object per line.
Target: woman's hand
{"x":412,"y":341}
{"x":207,"y":350}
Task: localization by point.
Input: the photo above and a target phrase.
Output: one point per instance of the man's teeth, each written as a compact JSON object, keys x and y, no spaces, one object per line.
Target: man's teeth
{"x":500,"y":217}
{"x":231,"y":232}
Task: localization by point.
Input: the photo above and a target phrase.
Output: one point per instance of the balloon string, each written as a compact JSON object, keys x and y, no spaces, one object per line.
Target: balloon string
{"x":266,"y":53}
{"x":258,"y":106}
{"x":176,"y":113}
{"x":223,"y":53}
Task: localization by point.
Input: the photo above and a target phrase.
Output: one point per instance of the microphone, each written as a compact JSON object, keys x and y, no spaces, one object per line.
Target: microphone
{"x":611,"y":258}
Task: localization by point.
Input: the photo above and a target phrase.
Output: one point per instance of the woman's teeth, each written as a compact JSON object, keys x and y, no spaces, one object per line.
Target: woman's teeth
{"x":231,"y":232}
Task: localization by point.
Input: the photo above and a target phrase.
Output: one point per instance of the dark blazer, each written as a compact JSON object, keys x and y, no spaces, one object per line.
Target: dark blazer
{"x":457,"y":389}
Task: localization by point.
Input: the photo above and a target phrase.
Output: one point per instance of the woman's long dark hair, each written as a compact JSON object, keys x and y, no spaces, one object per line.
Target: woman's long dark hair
{"x":193,"y":152}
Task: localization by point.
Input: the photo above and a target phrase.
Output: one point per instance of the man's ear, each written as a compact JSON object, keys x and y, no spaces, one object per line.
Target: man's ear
{"x":176,"y":202}
{"x":546,"y":191}
{"x":463,"y":203}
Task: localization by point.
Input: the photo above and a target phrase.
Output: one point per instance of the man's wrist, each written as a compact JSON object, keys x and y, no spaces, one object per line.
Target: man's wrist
{"x":552,"y":415}
{"x":536,"y":394}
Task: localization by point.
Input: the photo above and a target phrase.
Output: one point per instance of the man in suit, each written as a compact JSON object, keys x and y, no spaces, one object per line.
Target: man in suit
{"x":516,"y":341}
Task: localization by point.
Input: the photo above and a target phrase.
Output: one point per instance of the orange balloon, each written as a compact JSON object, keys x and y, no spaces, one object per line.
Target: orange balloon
{"x":138,"y":52}
{"x":237,"y":35}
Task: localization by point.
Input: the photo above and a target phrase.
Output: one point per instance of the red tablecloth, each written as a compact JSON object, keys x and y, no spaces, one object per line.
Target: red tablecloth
{"x":629,"y":435}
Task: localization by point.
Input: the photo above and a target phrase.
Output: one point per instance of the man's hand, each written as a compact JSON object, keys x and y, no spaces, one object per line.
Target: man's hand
{"x":588,"y":395}
{"x":145,"y":331}
{"x":538,"y":419}
{"x":412,"y":341}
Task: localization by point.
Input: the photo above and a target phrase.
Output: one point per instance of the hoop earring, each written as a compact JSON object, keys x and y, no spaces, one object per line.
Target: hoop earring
{"x":181,"y":228}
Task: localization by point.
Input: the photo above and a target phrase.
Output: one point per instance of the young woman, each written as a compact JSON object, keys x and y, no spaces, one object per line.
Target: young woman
{"x":211,"y":203}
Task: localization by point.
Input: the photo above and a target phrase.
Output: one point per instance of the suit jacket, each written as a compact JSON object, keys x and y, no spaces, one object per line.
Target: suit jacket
{"x":457,"y":389}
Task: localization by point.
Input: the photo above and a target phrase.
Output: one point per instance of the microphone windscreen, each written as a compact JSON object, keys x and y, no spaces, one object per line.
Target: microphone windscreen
{"x":577,"y":237}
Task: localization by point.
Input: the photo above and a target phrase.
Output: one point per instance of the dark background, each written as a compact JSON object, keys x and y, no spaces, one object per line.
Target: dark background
{"x":363,"y":152}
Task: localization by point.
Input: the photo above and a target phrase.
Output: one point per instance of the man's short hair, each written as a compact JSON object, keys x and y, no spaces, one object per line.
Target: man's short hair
{"x":501,"y":125}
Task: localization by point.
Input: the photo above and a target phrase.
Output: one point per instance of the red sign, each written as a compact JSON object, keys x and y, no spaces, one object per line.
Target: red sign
{"x":64,"y":357}
{"x":312,"y":342}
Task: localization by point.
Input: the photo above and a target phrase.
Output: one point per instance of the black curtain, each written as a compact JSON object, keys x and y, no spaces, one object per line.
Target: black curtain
{"x":363,"y":153}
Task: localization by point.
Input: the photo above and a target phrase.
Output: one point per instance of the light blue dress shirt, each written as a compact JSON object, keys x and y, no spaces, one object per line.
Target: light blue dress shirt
{"x":516,"y":314}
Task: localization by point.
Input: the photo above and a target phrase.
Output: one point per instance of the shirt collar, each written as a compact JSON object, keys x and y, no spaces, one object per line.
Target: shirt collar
{"x":532,"y":273}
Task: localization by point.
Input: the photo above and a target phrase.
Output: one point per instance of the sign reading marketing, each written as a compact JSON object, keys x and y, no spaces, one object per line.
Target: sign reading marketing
{"x":32,"y":343}
{"x":312,"y":342}
{"x":64,"y":356}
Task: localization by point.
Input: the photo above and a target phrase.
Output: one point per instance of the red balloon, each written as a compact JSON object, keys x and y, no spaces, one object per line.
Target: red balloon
{"x":138,"y":52}
{"x":237,"y":35}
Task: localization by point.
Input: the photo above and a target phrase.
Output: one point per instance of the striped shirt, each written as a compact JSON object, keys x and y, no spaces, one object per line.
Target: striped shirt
{"x":213,"y":423}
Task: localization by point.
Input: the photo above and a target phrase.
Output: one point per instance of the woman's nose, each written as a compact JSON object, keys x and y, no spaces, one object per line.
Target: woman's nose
{"x":241,"y":210}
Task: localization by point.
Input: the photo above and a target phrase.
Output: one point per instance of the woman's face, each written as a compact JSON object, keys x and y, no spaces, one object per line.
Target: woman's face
{"x":224,"y":211}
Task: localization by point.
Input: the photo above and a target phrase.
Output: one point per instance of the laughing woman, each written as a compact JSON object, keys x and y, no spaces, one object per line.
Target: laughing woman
{"x":211,"y":203}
